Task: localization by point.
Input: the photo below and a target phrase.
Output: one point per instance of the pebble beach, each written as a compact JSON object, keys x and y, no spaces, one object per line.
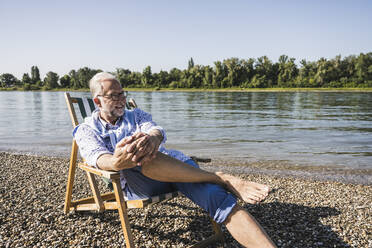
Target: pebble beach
{"x":301,"y":211}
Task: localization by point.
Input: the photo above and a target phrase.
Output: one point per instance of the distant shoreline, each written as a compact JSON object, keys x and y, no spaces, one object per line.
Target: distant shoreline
{"x":236,"y":89}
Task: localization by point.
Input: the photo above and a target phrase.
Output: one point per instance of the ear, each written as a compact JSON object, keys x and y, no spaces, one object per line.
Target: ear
{"x":97,"y":101}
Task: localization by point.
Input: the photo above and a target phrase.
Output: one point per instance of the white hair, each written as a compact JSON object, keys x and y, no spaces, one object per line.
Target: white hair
{"x":95,"y":84}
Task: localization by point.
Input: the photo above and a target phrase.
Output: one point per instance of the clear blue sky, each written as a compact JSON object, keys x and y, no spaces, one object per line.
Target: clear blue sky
{"x":63,"y":35}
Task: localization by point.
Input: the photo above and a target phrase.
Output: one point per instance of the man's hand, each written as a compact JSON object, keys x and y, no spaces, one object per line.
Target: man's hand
{"x":144,"y":147}
{"x":121,"y":159}
{"x":137,"y":149}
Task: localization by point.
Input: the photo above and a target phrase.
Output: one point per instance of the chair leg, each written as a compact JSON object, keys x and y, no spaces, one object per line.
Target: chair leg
{"x":217,"y":236}
{"x":122,"y":208}
{"x":217,"y":230}
{"x":71,"y":177}
{"x":96,"y":194}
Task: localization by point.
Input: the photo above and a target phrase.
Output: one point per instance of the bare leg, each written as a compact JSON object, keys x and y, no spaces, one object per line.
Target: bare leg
{"x":167,"y":169}
{"x":246,"y":230}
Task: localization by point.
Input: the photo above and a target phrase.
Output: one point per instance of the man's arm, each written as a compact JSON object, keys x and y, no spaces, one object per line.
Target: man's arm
{"x":121,"y":159}
{"x":137,"y":149}
{"x":146,"y":149}
{"x":131,"y":151}
{"x":145,"y":146}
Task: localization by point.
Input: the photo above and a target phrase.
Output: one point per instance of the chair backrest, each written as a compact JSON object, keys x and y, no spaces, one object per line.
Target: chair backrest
{"x":79,"y":101}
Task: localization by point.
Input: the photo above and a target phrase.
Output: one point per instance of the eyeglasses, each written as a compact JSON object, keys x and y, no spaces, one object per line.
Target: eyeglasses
{"x":116,"y":97}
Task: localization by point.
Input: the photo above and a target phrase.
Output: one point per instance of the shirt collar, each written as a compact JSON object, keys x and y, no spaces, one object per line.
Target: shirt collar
{"x":108,"y":125}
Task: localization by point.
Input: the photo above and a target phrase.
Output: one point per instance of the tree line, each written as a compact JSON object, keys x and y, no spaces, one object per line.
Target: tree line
{"x":351,"y":72}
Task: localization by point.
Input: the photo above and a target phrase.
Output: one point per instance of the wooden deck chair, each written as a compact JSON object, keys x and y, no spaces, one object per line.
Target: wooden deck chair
{"x":112,"y":200}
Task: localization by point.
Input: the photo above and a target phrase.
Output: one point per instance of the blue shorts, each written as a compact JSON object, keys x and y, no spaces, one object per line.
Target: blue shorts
{"x":211,"y":197}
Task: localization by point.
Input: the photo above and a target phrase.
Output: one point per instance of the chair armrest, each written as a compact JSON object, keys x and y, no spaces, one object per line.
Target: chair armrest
{"x":99,"y":172}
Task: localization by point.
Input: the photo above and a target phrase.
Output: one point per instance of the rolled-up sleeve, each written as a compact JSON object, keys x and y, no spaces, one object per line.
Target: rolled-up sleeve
{"x":91,"y":146}
{"x":146,"y":124}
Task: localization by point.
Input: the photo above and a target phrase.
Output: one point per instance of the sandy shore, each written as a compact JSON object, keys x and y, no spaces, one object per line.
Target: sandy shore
{"x":300,"y":212}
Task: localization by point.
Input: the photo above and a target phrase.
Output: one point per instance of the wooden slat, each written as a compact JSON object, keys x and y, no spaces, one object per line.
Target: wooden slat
{"x":96,"y":194}
{"x":85,"y":207}
{"x":107,"y":205}
{"x":81,"y":107}
{"x":130,"y":204}
{"x":111,"y":205}
{"x":122,"y":209}
{"x":98,"y":172}
{"x":91,"y":104}
{"x":105,"y":197}
{"x":71,"y":110}
{"x":71,"y":176}
{"x":136,"y":204}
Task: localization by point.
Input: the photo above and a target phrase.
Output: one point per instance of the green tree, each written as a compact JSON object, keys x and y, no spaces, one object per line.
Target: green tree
{"x":190,"y":64}
{"x":35,"y":74}
{"x":326,"y":73}
{"x":233,"y":71}
{"x":84,"y":75}
{"x":175,"y":75}
{"x":348,"y":67}
{"x":26,"y":79}
{"x":247,"y":71}
{"x":124,"y":77}
{"x":220,"y":72}
{"x":135,"y":78}
{"x":162,"y":79}
{"x":51,"y":80}
{"x":65,"y":81}
{"x":266,"y":73}
{"x":208,"y":77}
{"x":287,"y":71}
{"x":8,"y":80}
{"x":195,"y":77}
{"x":363,"y":68}
{"x":147,"y":77}
{"x":74,"y":81}
{"x":306,"y":72}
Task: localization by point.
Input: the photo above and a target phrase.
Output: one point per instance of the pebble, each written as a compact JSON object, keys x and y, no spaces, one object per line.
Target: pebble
{"x":298,"y":213}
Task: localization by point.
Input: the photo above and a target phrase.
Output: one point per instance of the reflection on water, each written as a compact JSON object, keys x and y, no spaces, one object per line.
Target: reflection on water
{"x":319,"y":128}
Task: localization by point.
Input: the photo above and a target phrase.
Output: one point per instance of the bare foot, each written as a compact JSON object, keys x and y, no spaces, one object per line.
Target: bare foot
{"x":249,"y":192}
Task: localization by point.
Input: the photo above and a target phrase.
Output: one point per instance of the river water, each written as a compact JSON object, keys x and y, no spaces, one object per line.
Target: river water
{"x":304,"y":128}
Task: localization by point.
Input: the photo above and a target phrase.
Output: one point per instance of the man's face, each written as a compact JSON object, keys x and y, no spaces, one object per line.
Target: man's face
{"x":111,"y":100}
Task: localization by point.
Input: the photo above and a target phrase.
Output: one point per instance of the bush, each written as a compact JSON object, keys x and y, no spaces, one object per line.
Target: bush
{"x":35,"y":87}
{"x":350,"y":85}
{"x":39,"y":84}
{"x":173,"y":84}
{"x":46,"y":88}
{"x":335,"y":84}
{"x":26,"y":86}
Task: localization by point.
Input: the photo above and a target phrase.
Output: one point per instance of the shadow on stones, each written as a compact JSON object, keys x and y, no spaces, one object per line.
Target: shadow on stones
{"x":293,"y":225}
{"x":288,"y":225}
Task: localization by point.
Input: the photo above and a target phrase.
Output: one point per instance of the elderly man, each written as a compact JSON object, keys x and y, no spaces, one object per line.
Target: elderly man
{"x":130,"y":142}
